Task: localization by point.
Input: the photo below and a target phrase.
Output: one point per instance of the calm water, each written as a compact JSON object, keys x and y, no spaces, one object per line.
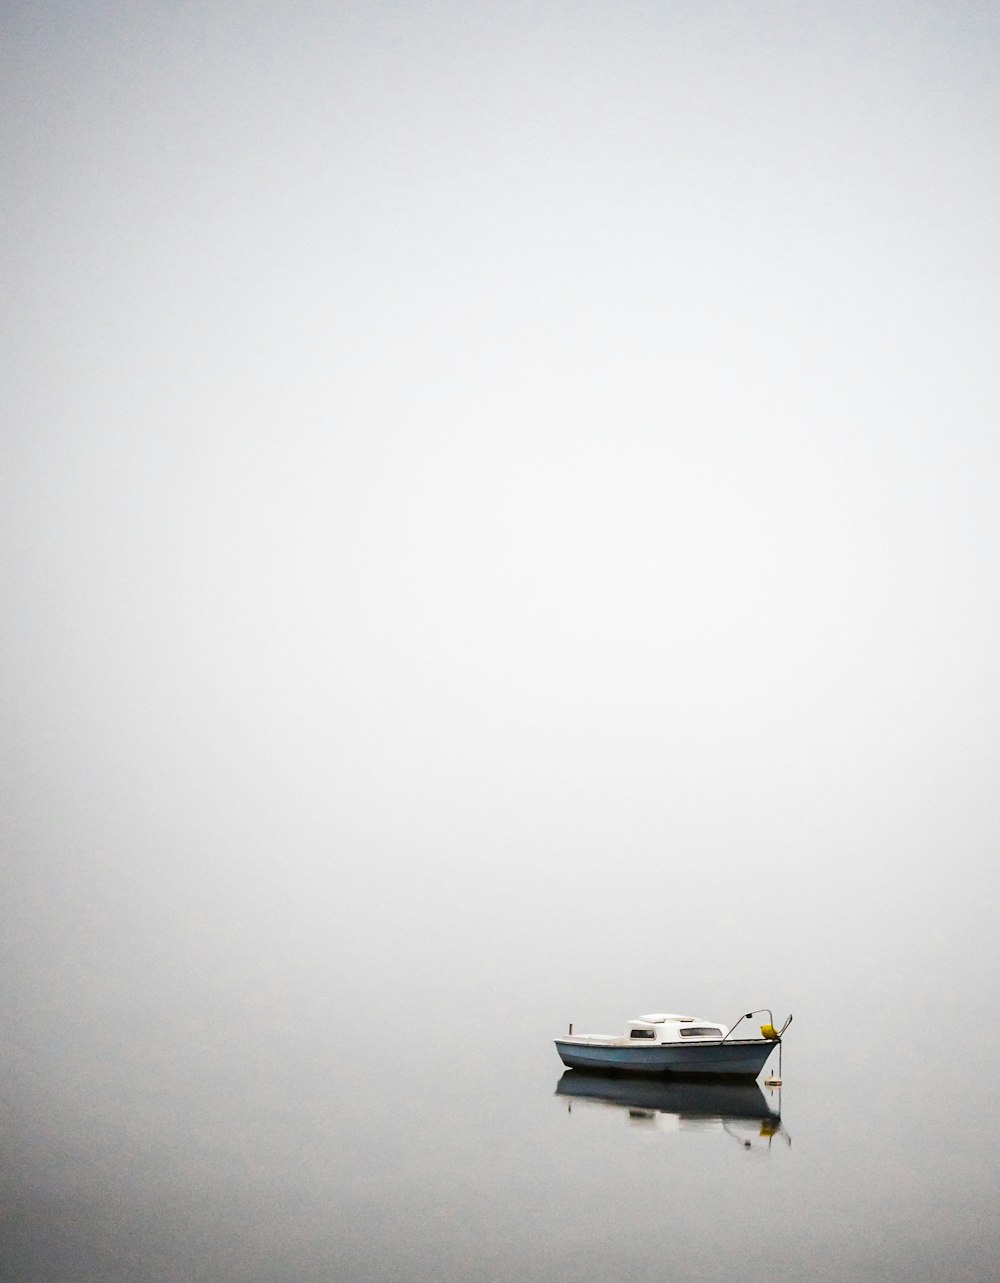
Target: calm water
{"x":210,"y":1147}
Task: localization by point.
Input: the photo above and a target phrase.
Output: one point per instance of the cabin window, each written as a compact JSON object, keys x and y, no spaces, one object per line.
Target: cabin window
{"x":699,"y":1031}
{"x":642,"y":1033}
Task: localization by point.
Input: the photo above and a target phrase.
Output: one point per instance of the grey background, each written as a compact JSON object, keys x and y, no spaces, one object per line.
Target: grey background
{"x":499,"y":516}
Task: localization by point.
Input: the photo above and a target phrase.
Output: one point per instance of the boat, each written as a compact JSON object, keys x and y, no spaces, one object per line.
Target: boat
{"x":664,"y":1043}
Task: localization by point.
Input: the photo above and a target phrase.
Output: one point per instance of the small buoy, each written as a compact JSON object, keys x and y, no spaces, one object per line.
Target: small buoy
{"x":773,"y":1081}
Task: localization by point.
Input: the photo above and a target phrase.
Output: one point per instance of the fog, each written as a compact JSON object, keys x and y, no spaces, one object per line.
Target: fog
{"x":500,"y":509}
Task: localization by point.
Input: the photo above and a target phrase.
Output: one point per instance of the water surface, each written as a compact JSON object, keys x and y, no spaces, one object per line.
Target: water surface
{"x":270,"y":1149}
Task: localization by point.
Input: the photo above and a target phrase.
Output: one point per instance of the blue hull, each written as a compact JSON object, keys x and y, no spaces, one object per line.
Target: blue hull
{"x":735,"y":1059}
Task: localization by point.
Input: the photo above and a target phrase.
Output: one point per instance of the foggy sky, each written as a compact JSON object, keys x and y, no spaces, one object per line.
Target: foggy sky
{"x":500,"y":503}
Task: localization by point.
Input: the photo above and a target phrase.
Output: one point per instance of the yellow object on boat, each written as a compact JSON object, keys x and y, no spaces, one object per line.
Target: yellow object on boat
{"x":769,"y":1031}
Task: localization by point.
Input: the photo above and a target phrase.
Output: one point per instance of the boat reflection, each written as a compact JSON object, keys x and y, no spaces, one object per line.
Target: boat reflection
{"x":739,"y":1110}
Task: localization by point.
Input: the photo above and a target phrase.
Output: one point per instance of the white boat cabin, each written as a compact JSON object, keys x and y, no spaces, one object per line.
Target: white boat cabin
{"x":664,"y":1027}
